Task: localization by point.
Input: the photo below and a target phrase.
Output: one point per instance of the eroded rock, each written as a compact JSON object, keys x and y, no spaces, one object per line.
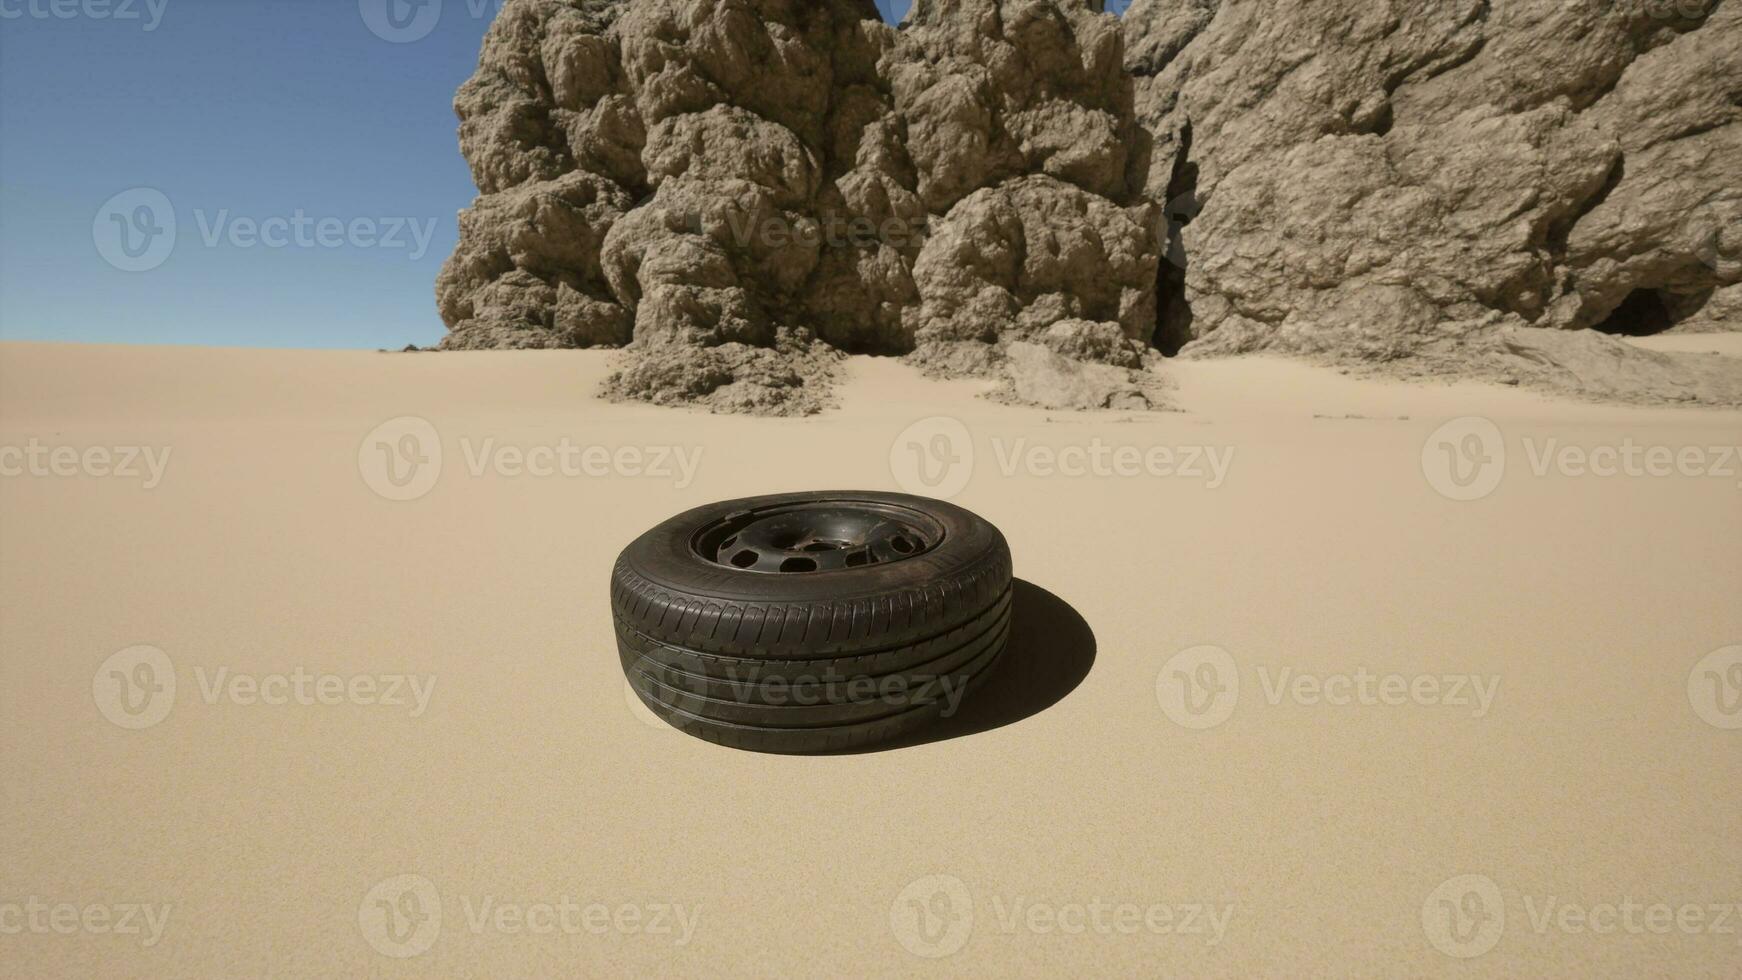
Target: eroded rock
{"x":1004,"y":186}
{"x":794,"y":377}
{"x":1034,"y":374}
{"x":1401,"y":183}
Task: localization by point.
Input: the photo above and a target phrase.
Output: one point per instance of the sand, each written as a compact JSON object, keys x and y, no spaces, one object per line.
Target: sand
{"x":1581,"y":762}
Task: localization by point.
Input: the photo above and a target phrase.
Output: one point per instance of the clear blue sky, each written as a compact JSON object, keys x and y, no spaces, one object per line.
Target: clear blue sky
{"x":309,"y":167}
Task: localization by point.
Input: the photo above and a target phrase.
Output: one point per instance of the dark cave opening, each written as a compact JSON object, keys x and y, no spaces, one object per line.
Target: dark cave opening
{"x":1173,"y":315}
{"x":1644,"y":312}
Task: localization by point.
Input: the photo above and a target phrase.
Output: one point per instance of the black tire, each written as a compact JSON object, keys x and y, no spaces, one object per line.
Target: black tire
{"x":811,"y":622}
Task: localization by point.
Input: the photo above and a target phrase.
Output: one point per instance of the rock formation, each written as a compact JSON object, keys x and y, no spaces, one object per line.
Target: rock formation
{"x":739,"y":189}
{"x":1433,"y":184}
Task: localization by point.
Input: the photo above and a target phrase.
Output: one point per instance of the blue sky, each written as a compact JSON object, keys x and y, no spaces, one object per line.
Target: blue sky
{"x":309,"y":166}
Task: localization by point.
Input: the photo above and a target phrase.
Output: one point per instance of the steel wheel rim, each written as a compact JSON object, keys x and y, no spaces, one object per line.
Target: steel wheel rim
{"x":817,"y":536}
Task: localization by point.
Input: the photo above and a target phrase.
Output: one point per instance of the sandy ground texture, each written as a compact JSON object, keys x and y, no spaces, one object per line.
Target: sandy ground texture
{"x":1313,"y":676}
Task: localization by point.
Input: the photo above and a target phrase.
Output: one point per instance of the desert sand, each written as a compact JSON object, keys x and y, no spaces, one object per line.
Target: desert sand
{"x":450,"y":705}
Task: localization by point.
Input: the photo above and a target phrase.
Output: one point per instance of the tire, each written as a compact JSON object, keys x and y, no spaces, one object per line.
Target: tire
{"x":811,"y":622}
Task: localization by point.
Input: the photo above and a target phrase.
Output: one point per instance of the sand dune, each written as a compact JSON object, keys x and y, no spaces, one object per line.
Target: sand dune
{"x":1535,"y":684}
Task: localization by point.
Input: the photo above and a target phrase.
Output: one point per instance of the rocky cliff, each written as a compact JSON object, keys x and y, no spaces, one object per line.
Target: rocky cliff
{"x":739,"y":189}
